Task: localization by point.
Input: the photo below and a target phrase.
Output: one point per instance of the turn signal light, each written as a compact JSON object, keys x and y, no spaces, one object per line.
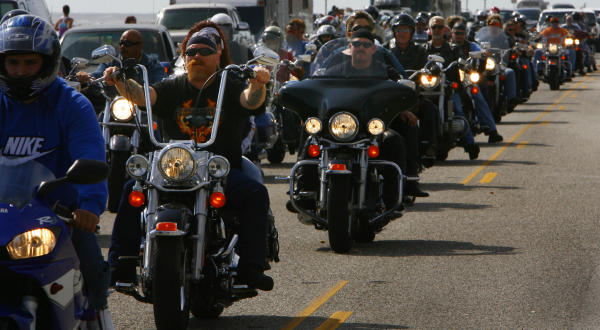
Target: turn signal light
{"x":154,"y":126}
{"x":373,"y":151}
{"x":502,"y":77}
{"x":166,"y":226}
{"x":474,"y":90}
{"x":563,"y":57}
{"x":338,"y":167}
{"x":454,"y":85}
{"x":513,"y":57}
{"x":314,"y":150}
{"x":543,"y":57}
{"x":136,"y":198}
{"x":217,"y":199}
{"x":525,"y":66}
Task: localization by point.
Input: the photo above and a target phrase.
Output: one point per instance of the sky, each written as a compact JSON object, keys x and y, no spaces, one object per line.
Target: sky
{"x":152,"y":6}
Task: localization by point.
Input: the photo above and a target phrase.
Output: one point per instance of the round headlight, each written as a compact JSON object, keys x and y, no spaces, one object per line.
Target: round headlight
{"x":569,"y":42}
{"x":577,"y":42}
{"x":121,"y":109}
{"x":218,"y":166}
{"x":137,"y":166}
{"x":376,"y":126}
{"x":539,"y":45}
{"x":343,"y":126}
{"x":177,"y":164}
{"x":34,"y":243}
{"x":490,"y":64}
{"x":313,"y":125}
{"x":474,"y":77}
{"x":428,"y":80}
{"x":553,"y":48}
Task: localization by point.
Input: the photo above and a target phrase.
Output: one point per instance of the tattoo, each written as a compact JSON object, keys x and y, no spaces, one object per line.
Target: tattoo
{"x":134,"y":92}
{"x":255,"y":97}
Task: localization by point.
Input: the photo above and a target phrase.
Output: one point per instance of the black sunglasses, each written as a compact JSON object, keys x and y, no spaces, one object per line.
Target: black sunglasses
{"x":127,"y":43}
{"x":366,"y":44}
{"x":202,"y":51}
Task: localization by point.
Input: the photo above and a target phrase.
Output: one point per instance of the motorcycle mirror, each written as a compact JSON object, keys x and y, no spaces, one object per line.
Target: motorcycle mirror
{"x":436,"y":58}
{"x":83,"y":171}
{"x":311,"y":48}
{"x":476,"y":55}
{"x":104,"y":54}
{"x":265,"y":56}
{"x":485,"y":44}
{"x":303,"y":58}
{"x":79,"y":62}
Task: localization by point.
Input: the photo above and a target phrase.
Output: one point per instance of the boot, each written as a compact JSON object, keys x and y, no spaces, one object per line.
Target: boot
{"x":413,"y":189}
{"x":495,"y":137}
{"x":473,"y":150}
{"x":253,"y":276}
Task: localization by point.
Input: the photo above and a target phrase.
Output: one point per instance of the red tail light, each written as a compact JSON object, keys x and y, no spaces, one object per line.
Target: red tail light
{"x":454,"y":85}
{"x":314,"y":150}
{"x":373,"y":151}
{"x":502,"y":77}
{"x":563,"y":57}
{"x":166,"y":226}
{"x":137,"y":198}
{"x":338,"y":167}
{"x":217,"y":199}
{"x":513,"y":57}
{"x":525,"y":66}
{"x":544,"y":57}
{"x":474,"y":90}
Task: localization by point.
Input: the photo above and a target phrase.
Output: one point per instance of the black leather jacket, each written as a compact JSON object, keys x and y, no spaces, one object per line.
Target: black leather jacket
{"x":413,"y":57}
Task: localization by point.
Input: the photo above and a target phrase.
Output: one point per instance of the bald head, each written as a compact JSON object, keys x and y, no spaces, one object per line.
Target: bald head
{"x":131,"y":44}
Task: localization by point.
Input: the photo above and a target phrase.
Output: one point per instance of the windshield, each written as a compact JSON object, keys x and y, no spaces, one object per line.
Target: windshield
{"x":81,"y":44}
{"x":559,"y":14}
{"x":335,"y":60}
{"x":18,"y":180}
{"x":492,"y":37}
{"x":531,"y":14}
{"x":184,"y":18}
{"x":5,"y":7}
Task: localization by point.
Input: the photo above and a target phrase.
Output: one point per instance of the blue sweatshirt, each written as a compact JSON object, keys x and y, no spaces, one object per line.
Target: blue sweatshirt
{"x":56,"y":129}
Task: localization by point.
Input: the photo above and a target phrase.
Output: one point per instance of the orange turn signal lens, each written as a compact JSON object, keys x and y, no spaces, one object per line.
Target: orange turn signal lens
{"x":166,"y":226}
{"x":563,"y":57}
{"x":314,"y":150}
{"x":544,"y":57}
{"x":502,"y":77}
{"x":373,"y":151}
{"x":513,"y":57}
{"x":217,"y":199}
{"x":136,"y":198}
{"x":338,"y":167}
{"x":474,"y":90}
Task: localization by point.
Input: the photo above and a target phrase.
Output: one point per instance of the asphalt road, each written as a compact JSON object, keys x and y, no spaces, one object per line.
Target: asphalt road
{"x":506,"y":241}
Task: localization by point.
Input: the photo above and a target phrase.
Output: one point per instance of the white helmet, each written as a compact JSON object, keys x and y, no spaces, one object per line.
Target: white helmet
{"x":221,"y":19}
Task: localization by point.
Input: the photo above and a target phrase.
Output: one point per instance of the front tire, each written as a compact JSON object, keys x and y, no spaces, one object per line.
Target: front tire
{"x":338,"y":213}
{"x":276,"y":154}
{"x":170,"y":288}
{"x":116,"y":178}
{"x":204,"y":308}
{"x":553,"y":79}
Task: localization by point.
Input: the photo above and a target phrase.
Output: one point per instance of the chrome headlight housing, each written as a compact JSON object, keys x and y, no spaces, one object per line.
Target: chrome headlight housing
{"x":177,"y":163}
{"x":553,"y":48}
{"x":343,"y":126}
{"x":376,"y":126}
{"x":313,"y":125}
{"x":34,"y":243}
{"x":490,"y":64}
{"x":429,"y":81}
{"x":121,"y":109}
{"x":137,"y":166}
{"x":218,"y":166}
{"x":569,"y":42}
{"x":474,"y":77}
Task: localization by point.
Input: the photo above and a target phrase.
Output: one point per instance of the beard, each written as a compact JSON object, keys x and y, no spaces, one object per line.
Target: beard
{"x":196,"y":73}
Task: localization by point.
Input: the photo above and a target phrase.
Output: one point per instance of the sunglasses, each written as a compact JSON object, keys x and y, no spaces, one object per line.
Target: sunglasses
{"x":366,"y":44}
{"x":437,"y":27}
{"x":358,"y":27}
{"x":126,"y":43}
{"x":202,"y":51}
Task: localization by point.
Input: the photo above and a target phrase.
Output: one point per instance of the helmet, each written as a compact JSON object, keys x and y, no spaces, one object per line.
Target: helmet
{"x":221,"y":19}
{"x":482,"y":15}
{"x":520,"y":19}
{"x":325,"y":30}
{"x":372,"y":11}
{"x":13,"y":13}
{"x":495,"y":10}
{"x":403,"y":19}
{"x":26,"y":34}
{"x":325,"y":20}
{"x":272,"y":38}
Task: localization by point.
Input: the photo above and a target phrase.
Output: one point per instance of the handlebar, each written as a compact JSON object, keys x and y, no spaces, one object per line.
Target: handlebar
{"x":66,"y":214}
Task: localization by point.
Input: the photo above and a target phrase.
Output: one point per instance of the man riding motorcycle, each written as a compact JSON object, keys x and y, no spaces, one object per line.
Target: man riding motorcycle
{"x":553,"y":34}
{"x":196,"y":92}
{"x":42,"y":118}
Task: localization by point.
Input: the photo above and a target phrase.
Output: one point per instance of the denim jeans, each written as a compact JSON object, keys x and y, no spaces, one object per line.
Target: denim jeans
{"x":483,"y":112}
{"x":93,"y":268}
{"x":510,"y":84}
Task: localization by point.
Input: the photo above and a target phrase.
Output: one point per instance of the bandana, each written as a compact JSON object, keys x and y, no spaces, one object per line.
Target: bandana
{"x":203,"y":37}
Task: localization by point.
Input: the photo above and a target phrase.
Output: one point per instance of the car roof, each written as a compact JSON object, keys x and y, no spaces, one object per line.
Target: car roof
{"x":112,"y":27}
{"x":198,"y":5}
{"x":562,"y":10}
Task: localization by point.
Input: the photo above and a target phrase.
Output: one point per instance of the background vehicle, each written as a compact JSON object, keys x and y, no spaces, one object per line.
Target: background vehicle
{"x":561,"y":6}
{"x":35,"y":7}
{"x":531,"y":3}
{"x":532,"y":14}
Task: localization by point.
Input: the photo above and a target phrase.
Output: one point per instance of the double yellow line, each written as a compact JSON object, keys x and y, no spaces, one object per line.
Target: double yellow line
{"x":523,"y":130}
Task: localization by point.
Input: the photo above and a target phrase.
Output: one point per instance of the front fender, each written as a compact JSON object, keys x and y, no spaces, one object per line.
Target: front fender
{"x":21,"y":318}
{"x":119,"y":142}
{"x":172,"y":212}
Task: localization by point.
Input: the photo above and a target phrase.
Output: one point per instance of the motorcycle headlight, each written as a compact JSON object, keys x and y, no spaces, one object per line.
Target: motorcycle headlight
{"x":177,"y":164}
{"x":577,"y":42}
{"x":461,"y":74}
{"x":553,"y":48}
{"x":121,"y":109}
{"x":31,"y":244}
{"x":539,"y":45}
{"x":569,"y":42}
{"x":218,"y":166}
{"x":376,"y":126}
{"x":474,"y":77}
{"x":490,"y":64}
{"x":429,"y":80}
{"x":137,"y":166}
{"x":343,"y":126}
{"x":313,"y":125}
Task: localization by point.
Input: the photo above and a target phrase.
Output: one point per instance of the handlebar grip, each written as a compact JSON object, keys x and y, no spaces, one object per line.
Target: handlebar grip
{"x":62,"y":211}
{"x":248,"y":73}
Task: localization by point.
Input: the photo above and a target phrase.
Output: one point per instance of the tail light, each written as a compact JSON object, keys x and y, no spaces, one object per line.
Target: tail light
{"x":454,"y":85}
{"x":166,"y":226}
{"x":502,"y":77}
{"x":314,"y":150}
{"x":373,"y":151}
{"x":338,"y":167}
{"x":136,"y":198}
{"x":474,"y":90}
{"x":563,"y":57}
{"x":217,"y":199}
{"x":513,"y":56}
{"x":525,"y":66}
{"x":543,"y":57}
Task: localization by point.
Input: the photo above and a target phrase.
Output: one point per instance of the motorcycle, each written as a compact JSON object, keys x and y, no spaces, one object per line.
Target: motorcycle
{"x":470,"y":77}
{"x":43,"y":286}
{"x":345,"y":119}
{"x":188,"y":260}
{"x":554,"y":62}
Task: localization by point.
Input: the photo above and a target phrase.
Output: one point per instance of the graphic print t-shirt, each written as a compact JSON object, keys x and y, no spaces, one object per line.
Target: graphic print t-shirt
{"x":185,"y":114}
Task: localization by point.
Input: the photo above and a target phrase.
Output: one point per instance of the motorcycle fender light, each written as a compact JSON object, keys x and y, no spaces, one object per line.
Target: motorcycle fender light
{"x":543,"y":57}
{"x":454,"y":85}
{"x":314,"y":150}
{"x":502,"y":77}
{"x":553,"y":62}
{"x":525,"y":66}
{"x":166,"y":226}
{"x":338,"y":167}
{"x":373,"y":151}
{"x":563,"y":57}
{"x":136,"y":198}
{"x":474,"y":90}
{"x":576,"y":49}
{"x":513,"y":57}
{"x":55,"y":288}
{"x":154,"y":126}
{"x":217,"y":199}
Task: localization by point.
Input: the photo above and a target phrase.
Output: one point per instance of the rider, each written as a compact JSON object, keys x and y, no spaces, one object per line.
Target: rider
{"x":554,"y":34}
{"x":36,"y":103}
{"x":294,"y":37}
{"x":325,"y":33}
{"x":479,"y":23}
{"x":238,"y":52}
{"x":273,"y":39}
{"x":420,"y":36}
{"x":173,"y":99}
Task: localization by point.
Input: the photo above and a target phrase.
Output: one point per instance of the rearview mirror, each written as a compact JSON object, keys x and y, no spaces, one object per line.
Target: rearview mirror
{"x":436,"y":58}
{"x":243,"y":26}
{"x":104,"y":54}
{"x":265,"y":56}
{"x":79,"y":62}
{"x":83,"y":171}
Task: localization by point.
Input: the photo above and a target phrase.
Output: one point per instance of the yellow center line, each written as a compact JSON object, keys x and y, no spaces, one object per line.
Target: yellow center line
{"x":488,"y":177}
{"x":522,"y":144}
{"x":562,"y":107}
{"x":335,"y":320}
{"x":314,"y":306}
{"x":545,"y":123}
{"x":523,"y":130}
{"x":574,"y":95}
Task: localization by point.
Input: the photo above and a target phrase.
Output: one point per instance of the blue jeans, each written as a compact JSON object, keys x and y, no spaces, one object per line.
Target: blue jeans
{"x":93,"y":268}
{"x":510,"y":84}
{"x":484,"y":113}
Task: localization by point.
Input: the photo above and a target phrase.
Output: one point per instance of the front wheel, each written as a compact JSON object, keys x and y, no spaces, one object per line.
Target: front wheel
{"x":553,"y":79}
{"x":116,"y":178}
{"x":205,"y":308}
{"x":170,"y":288}
{"x":338,"y":213}
{"x":276,"y":154}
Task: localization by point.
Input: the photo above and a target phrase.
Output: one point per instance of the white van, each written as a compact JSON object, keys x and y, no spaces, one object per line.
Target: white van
{"x":36,"y":7}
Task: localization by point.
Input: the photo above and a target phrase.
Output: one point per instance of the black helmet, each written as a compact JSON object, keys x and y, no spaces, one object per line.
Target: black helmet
{"x":422,"y":17}
{"x":482,"y":15}
{"x":403,"y":19}
{"x":373,"y":12}
{"x":520,"y":19}
{"x":13,"y":13}
{"x":27,"y":34}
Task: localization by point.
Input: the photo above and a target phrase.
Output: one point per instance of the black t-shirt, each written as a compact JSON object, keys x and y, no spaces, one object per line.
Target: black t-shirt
{"x":186,"y":115}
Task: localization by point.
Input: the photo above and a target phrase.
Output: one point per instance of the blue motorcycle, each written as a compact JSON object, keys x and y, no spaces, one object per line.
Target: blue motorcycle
{"x":39,"y":268}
